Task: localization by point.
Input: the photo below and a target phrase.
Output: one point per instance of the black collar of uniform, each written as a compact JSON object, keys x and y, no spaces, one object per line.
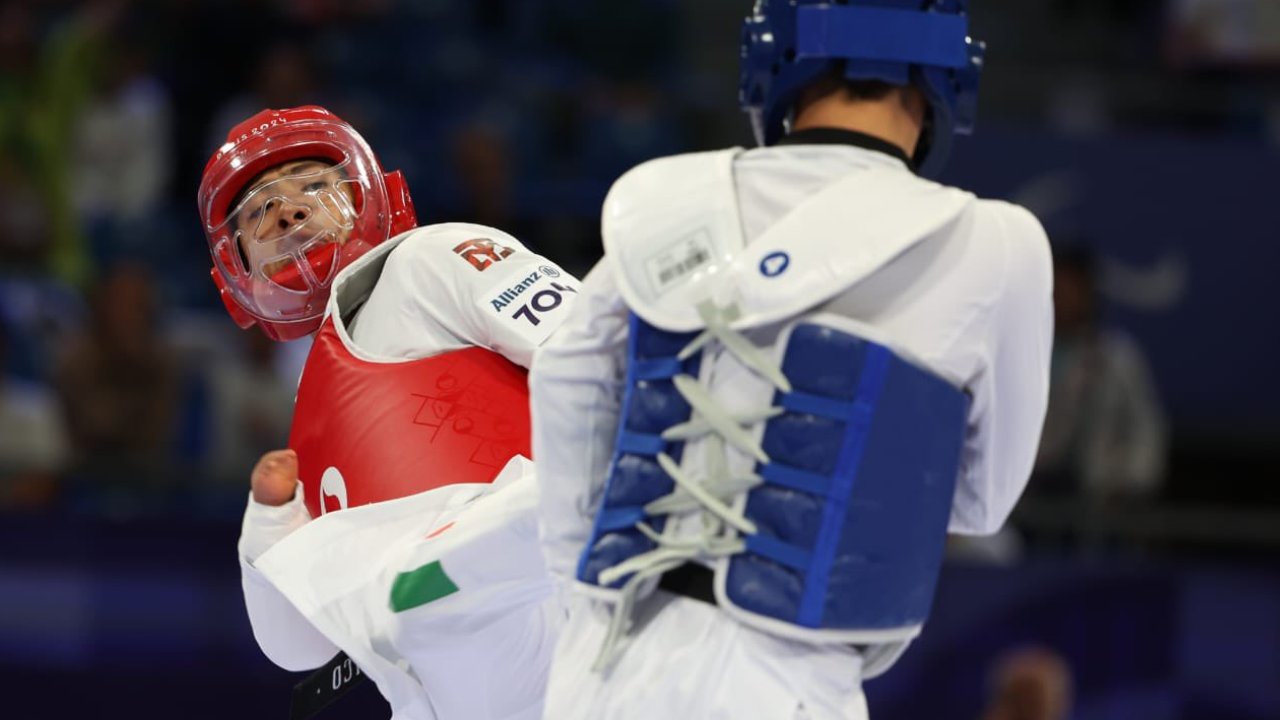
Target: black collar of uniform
{"x":841,"y":136}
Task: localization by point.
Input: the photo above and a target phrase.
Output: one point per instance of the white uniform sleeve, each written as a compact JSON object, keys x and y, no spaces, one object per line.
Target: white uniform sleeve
{"x":1011,"y":390}
{"x":286,"y":637}
{"x":458,"y":285}
{"x":576,"y":392}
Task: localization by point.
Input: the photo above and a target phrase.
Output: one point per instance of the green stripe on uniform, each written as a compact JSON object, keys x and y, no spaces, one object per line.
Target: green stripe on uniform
{"x":419,"y":587}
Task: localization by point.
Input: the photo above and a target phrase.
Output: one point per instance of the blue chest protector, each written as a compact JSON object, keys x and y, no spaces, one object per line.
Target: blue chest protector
{"x":852,"y":515}
{"x":651,"y":405}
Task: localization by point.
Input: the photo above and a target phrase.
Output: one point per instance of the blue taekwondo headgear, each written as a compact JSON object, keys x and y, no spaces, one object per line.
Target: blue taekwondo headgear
{"x":789,"y":43}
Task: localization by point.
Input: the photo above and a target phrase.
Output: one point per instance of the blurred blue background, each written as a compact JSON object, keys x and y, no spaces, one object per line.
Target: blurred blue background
{"x":1138,"y":578}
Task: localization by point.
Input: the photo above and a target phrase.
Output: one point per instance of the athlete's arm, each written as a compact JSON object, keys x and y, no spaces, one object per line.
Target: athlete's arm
{"x":575,"y":394}
{"x":1011,"y":393}
{"x":458,"y":285}
{"x":276,"y":509}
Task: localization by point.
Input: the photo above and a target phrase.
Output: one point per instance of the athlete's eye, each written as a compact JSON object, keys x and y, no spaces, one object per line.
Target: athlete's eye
{"x":316,"y":186}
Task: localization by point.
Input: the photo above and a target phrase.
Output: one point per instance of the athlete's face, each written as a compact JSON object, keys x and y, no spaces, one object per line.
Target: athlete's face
{"x":292,"y":205}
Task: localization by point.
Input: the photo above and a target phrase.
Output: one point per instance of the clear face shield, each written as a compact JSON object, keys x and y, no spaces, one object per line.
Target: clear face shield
{"x":287,"y":235}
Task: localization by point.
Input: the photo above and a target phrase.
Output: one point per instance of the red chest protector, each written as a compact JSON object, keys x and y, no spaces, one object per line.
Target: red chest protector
{"x":366,"y":432}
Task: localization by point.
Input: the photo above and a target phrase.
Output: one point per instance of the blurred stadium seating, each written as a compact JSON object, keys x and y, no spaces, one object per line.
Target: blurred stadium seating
{"x":1148,"y":130}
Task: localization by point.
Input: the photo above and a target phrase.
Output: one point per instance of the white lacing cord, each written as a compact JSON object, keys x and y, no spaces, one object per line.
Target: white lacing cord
{"x":713,"y":493}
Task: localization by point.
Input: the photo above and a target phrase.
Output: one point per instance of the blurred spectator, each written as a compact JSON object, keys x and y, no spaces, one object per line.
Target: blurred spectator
{"x":627,"y":55}
{"x":251,"y":409}
{"x":124,"y":149}
{"x":629,"y":122}
{"x":118,"y":386}
{"x":33,"y":446}
{"x":1224,"y":32}
{"x":24,"y":221}
{"x":616,"y":40}
{"x":481,"y":189}
{"x":322,"y":12}
{"x":285,"y":76}
{"x":41,"y":314}
{"x":1105,"y":436}
{"x":44,"y":84}
{"x":1030,"y":684}
{"x":482,"y":167}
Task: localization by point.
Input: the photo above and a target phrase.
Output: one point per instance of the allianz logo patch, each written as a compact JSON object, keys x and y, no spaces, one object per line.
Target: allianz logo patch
{"x":508,"y":296}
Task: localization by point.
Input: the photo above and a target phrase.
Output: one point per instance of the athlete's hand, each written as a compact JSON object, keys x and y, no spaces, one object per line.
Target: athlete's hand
{"x":275,"y":477}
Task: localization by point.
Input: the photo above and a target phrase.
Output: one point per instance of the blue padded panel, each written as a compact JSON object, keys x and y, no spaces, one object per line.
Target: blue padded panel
{"x":790,"y":516}
{"x":607,"y":549}
{"x":886,"y":438}
{"x":655,"y":406}
{"x":650,"y":405}
{"x":636,"y":480}
{"x":804,"y":442}
{"x":812,"y":375}
{"x":764,"y":586}
{"x":893,"y":543}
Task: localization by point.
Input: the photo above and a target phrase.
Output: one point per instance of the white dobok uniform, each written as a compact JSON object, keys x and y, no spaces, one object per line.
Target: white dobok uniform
{"x":314,"y":586}
{"x":841,"y":234}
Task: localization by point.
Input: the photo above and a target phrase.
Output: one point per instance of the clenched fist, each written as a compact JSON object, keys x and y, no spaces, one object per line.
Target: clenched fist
{"x":275,"y":477}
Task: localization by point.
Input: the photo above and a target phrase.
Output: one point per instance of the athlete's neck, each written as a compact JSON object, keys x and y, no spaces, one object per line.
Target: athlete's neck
{"x":897,"y":118}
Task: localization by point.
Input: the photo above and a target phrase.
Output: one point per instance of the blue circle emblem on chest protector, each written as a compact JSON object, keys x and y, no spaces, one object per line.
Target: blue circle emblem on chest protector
{"x":774,"y":264}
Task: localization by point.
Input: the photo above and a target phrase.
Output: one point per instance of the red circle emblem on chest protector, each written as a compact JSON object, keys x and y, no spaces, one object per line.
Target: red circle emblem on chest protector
{"x":371,"y":431}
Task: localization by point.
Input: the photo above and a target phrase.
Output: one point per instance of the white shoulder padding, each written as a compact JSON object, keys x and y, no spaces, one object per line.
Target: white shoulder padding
{"x":669,"y":223}
{"x":354,"y":282}
{"x":673,"y":238}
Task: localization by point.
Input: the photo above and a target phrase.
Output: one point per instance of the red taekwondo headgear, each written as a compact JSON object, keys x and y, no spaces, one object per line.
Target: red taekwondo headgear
{"x":290,"y":199}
